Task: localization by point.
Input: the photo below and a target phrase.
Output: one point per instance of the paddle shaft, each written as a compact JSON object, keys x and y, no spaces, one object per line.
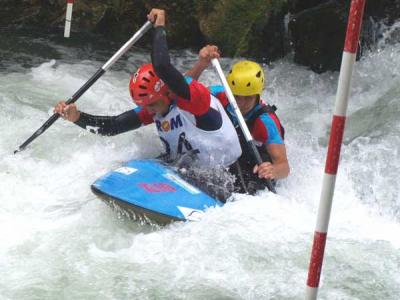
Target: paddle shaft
{"x":89,"y":83}
{"x":242,"y":122}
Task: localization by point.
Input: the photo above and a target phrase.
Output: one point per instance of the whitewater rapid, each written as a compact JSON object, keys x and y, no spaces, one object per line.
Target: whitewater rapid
{"x":59,"y":241}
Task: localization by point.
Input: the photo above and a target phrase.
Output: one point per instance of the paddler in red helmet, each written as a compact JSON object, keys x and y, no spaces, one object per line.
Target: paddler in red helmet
{"x":187,"y":117}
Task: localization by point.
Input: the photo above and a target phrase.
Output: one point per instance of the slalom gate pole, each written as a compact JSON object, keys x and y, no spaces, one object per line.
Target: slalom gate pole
{"x":335,"y":143}
{"x":89,"y":83}
{"x":68,"y":18}
{"x":242,"y":122}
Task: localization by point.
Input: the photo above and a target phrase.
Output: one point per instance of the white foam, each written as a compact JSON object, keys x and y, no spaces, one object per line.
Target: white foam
{"x":55,"y":234}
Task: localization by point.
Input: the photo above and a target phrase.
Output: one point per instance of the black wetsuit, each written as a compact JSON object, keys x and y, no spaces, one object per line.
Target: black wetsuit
{"x":113,"y":125}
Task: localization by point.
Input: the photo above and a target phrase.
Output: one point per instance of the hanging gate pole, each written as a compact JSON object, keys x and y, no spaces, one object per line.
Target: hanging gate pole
{"x":335,"y":143}
{"x":68,"y":18}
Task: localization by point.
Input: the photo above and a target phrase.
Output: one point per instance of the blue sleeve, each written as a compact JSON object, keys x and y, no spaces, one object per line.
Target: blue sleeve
{"x":188,"y":79}
{"x":216,"y":89}
{"x":273,"y":133}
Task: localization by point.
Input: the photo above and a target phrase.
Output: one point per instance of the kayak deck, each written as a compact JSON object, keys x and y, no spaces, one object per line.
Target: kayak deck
{"x":151,"y":191}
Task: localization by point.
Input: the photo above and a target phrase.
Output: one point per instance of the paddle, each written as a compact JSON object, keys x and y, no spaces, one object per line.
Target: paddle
{"x":242,"y":123}
{"x":89,"y":83}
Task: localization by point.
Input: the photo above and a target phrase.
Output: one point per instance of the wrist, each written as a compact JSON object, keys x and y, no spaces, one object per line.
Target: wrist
{"x":77,"y":117}
{"x":160,"y":22}
{"x":203,"y":63}
{"x":159,"y":28}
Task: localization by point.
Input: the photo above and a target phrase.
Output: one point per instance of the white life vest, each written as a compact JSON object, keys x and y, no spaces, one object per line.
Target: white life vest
{"x":179,"y":134}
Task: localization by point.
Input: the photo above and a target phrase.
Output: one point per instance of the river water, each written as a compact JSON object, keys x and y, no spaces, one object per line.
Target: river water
{"x":59,"y":241}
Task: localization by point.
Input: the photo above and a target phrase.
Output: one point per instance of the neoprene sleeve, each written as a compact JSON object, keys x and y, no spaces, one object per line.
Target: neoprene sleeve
{"x":163,"y":67}
{"x":105,"y":125}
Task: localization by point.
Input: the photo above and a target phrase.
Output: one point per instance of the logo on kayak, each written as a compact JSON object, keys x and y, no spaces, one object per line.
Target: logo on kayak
{"x":157,"y":187}
{"x":126,"y":170}
{"x":172,"y":124}
{"x":191,"y":214}
{"x":182,"y":183}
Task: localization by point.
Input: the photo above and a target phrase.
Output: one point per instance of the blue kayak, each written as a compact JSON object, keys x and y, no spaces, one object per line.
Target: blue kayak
{"x":152,"y":191}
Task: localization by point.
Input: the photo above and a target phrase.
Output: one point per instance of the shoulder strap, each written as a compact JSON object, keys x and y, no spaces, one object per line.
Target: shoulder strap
{"x":263,"y":109}
{"x":270,"y":108}
{"x":266,"y":109}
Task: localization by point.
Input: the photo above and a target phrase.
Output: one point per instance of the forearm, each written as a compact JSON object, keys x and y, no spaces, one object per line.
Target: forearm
{"x":278,"y":168}
{"x":281,"y":170}
{"x":206,"y":55}
{"x":197,"y":70}
{"x":109,"y":126}
{"x":163,"y":67}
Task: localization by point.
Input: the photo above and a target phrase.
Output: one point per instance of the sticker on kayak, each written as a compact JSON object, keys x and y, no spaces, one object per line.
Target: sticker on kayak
{"x":191,"y":214}
{"x":183,"y":184}
{"x":157,"y":187}
{"x":126,"y":170}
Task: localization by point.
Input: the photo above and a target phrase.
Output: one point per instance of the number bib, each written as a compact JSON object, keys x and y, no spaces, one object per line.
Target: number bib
{"x":179,"y":135}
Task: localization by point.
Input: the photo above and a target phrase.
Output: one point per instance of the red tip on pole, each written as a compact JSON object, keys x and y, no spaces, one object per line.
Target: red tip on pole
{"x":354,"y":25}
{"x":70,"y":1}
{"x":335,"y":143}
{"x":317,"y":256}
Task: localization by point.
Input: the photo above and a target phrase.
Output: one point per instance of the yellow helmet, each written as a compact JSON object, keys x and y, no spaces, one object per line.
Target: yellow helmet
{"x":246,"y":78}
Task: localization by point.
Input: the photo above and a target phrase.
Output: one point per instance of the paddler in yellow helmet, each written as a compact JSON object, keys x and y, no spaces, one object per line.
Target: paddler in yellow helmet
{"x":247,"y":80}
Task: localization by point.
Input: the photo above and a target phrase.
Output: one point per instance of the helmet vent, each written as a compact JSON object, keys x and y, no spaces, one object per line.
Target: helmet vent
{"x":258,"y":75}
{"x":145,"y":79}
{"x":230,"y":71}
{"x":143,"y":95}
{"x":152,"y":74}
{"x":233,"y":82}
{"x":248,"y":84}
{"x":143,"y":87}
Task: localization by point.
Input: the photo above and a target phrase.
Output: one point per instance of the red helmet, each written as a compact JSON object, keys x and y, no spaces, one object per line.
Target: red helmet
{"x":146,"y":87}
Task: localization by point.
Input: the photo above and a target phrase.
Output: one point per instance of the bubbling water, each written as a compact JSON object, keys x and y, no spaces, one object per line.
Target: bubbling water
{"x":58,"y":240}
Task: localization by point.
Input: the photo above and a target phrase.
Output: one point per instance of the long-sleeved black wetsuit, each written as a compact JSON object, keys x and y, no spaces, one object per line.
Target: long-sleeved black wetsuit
{"x":113,"y":125}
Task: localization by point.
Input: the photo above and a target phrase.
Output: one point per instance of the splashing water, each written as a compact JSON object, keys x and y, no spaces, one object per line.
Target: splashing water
{"x":57,"y":240}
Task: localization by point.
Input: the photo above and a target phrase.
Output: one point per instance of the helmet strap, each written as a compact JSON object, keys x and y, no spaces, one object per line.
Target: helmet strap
{"x":258,"y":101}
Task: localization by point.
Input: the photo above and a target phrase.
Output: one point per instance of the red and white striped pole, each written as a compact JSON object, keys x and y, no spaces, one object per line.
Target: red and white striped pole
{"x":68,"y":18}
{"x":335,"y":143}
